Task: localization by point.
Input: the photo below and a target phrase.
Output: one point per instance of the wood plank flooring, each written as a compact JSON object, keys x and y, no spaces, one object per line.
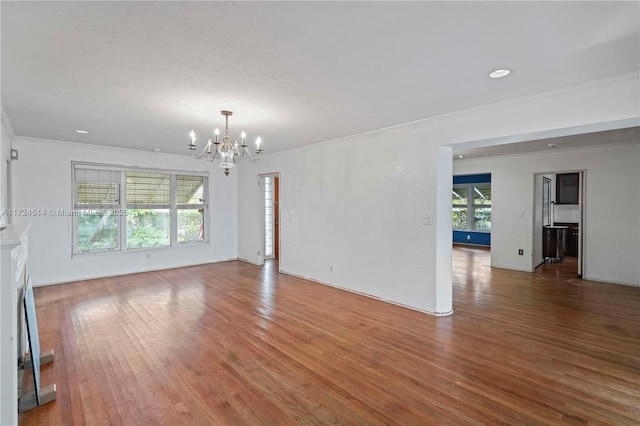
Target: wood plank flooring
{"x":236,"y":344}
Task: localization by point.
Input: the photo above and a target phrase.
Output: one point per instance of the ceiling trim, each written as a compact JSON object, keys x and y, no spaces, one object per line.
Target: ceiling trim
{"x":553,"y":133}
{"x":6,"y":121}
{"x":549,"y":151}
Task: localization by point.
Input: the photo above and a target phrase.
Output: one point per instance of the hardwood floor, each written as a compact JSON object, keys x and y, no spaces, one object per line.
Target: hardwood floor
{"x":232,"y":343}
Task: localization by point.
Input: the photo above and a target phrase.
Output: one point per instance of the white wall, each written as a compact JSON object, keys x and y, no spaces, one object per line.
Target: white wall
{"x":361,"y":214}
{"x":611,"y":210}
{"x":42,"y":180}
{"x":5,"y":149}
{"x":6,"y":138}
{"x":358,"y":203}
{"x":567,"y":213}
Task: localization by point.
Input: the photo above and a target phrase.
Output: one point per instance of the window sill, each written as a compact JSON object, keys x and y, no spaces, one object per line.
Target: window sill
{"x":136,"y":250}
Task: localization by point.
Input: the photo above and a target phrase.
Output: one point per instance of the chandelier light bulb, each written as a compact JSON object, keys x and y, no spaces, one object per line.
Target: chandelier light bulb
{"x":258,"y":142}
{"x":216,"y":132}
{"x":193,"y":136}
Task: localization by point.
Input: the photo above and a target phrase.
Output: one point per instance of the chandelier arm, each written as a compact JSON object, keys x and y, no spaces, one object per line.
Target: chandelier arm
{"x":215,"y":153}
{"x":197,"y":156}
{"x":204,"y":150}
{"x":246,"y":150}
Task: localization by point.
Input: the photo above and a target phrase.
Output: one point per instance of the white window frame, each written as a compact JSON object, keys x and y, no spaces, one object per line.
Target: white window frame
{"x":122,"y":206}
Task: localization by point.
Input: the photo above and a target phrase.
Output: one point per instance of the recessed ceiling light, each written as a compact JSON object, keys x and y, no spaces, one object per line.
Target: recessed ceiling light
{"x":82,"y":132}
{"x":156,"y":149}
{"x":499,"y":73}
{"x":460,"y":156}
{"x":551,"y":145}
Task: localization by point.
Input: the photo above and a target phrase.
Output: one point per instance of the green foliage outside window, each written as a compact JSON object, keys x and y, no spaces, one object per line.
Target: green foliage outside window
{"x":190,"y":225}
{"x":147,"y":228}
{"x":459,"y":216}
{"x":482,"y":219}
{"x":97,"y":230}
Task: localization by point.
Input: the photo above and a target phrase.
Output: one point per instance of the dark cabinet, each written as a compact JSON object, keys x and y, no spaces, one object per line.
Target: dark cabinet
{"x":567,"y":188}
{"x":554,"y":242}
{"x":571,"y":247}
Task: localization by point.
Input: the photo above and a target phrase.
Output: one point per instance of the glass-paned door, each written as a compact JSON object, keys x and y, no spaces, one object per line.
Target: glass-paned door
{"x":268,"y":216}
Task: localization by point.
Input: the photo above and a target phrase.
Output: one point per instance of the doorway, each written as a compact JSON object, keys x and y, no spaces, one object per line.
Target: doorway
{"x":559,"y":220}
{"x":271,"y":216}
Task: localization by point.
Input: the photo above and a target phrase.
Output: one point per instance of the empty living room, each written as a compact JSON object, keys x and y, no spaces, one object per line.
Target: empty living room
{"x":247,"y":213}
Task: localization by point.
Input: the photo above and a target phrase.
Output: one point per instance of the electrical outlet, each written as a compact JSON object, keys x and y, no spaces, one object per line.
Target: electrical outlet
{"x":521,"y":252}
{"x":468,"y":237}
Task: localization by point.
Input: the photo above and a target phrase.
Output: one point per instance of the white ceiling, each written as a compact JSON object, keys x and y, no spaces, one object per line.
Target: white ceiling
{"x":142,"y":74}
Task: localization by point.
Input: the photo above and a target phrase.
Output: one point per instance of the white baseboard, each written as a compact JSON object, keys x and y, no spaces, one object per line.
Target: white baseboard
{"x":371,"y":296}
{"x":97,"y":277}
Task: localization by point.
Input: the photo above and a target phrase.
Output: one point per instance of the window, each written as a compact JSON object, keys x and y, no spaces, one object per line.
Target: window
{"x":472,"y":207}
{"x":482,"y":207}
{"x":190,"y":208}
{"x":122,"y":209}
{"x":460,"y":204}
{"x":97,"y":196}
{"x":268,"y":216}
{"x":148,"y":209}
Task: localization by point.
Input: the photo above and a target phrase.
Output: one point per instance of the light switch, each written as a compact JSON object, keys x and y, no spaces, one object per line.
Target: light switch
{"x":427,"y":220}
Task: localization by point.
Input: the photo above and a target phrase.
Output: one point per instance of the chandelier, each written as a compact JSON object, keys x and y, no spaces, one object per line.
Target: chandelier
{"x":228,"y":150}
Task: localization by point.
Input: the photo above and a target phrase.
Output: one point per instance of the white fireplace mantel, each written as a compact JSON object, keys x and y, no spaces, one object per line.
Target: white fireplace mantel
{"x":13,"y":276}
